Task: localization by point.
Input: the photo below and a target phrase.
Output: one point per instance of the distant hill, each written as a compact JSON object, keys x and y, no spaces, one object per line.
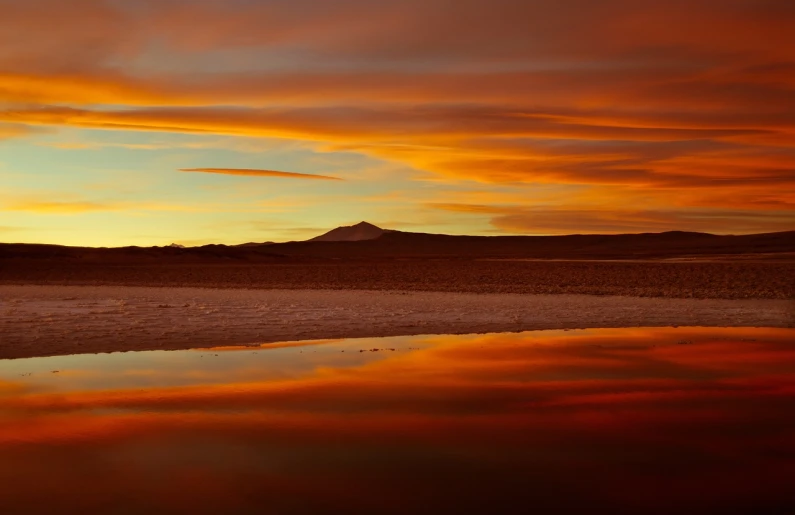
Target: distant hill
{"x":254,"y":244}
{"x":366,"y":241}
{"x":673,"y":244}
{"x":359,"y":232}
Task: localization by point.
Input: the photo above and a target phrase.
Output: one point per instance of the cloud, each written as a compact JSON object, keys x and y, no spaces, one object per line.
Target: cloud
{"x":402,"y":31}
{"x":690,"y":105}
{"x":236,"y":144}
{"x":44,"y":204}
{"x":260,"y":173}
{"x":60,"y":207}
{"x":13,"y":130}
{"x":430,"y":129}
{"x":597,"y":220}
{"x":494,"y":145}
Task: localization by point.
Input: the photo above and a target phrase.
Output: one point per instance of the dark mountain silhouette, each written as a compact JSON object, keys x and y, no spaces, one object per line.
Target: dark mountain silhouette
{"x":366,"y":241}
{"x":359,"y":232}
{"x":255,"y":244}
{"x":578,"y":246}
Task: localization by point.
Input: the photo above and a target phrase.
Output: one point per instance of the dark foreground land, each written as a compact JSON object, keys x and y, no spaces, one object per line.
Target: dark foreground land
{"x":675,"y":264}
{"x":713,"y":279}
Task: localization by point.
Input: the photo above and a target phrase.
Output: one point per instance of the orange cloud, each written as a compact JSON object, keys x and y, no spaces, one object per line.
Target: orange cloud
{"x":61,"y":207}
{"x":12,"y":130}
{"x":43,"y":205}
{"x":689,"y":104}
{"x":689,"y":167}
{"x":260,"y":173}
{"x":563,"y":220}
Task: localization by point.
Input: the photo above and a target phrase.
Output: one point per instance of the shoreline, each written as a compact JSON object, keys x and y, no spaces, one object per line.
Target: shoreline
{"x":37,"y":321}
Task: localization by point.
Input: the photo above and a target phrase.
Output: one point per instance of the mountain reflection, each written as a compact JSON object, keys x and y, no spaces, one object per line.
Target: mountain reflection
{"x":650,"y":420}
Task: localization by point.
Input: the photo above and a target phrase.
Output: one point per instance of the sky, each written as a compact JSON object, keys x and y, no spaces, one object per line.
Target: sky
{"x":147,"y":122}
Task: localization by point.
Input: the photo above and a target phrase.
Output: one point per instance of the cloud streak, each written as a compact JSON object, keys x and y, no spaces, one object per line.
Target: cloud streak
{"x":692,"y":106}
{"x":43,"y":204}
{"x":15,"y":130}
{"x":249,"y":172}
{"x":60,"y":207}
{"x":599,"y":220}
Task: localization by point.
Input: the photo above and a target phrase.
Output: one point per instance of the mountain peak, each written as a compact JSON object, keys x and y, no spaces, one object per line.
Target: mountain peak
{"x":358,"y":232}
{"x":366,"y":224}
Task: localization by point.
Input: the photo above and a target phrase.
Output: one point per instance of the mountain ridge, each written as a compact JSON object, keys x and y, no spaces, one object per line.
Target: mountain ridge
{"x":367,"y":241}
{"x":359,"y":232}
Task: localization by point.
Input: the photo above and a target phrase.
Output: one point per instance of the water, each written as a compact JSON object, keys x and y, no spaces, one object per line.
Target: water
{"x":618,"y":421}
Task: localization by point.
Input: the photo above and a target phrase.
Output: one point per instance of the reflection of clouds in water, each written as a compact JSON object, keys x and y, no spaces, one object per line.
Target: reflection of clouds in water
{"x":606,"y":416}
{"x":527,"y":357}
{"x":182,"y":368}
{"x":459,"y":370}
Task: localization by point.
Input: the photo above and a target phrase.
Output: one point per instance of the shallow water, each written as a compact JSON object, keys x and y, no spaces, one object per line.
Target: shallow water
{"x":620,"y":421}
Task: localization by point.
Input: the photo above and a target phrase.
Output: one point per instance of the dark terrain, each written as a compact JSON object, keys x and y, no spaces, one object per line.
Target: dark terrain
{"x":673,"y":264}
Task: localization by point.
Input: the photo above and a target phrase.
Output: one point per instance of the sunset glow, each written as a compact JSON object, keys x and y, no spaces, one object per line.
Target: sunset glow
{"x":499,"y":117}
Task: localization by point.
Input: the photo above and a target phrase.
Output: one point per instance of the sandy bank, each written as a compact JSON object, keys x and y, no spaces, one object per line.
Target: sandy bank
{"x":56,"y":320}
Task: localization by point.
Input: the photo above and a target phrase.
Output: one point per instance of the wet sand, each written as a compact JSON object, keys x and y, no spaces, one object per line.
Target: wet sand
{"x":60,"y":320}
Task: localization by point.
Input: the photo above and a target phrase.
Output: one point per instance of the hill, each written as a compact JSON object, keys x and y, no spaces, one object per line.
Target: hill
{"x":359,"y":232}
{"x":366,"y":241}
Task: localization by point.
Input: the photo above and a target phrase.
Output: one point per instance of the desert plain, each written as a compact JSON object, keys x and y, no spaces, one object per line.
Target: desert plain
{"x":60,"y":300}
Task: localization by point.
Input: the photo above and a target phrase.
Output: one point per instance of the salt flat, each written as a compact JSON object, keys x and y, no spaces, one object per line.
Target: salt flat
{"x":59,"y":320}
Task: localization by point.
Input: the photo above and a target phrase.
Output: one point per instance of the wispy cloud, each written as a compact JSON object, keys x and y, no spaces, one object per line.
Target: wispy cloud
{"x":250,"y":172}
{"x":589,"y":220}
{"x":232,"y":143}
{"x":60,"y":207}
{"x":598,"y":96}
{"x":12,"y":130}
{"x":44,"y":205}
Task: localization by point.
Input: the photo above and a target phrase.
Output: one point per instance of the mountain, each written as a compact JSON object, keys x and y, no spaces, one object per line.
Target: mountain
{"x":359,"y":232}
{"x":254,"y":244}
{"x":366,"y":241}
{"x":673,"y":244}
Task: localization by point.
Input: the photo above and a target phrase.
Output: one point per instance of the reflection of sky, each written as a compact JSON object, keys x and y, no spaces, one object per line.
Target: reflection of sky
{"x":645,"y":420}
{"x":194,"y":367}
{"x":580,"y":350}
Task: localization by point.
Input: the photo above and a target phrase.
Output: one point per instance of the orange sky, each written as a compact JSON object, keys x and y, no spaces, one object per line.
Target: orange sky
{"x":507,"y":116}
